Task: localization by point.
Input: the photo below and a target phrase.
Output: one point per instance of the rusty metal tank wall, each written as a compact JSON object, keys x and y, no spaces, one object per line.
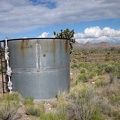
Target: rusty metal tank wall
{"x":40,"y":67}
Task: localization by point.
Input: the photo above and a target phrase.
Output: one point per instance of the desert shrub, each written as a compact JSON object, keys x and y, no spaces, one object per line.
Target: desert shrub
{"x":61,"y":109}
{"x":31,"y":110}
{"x":62,"y":101}
{"x":97,"y":115}
{"x":91,"y":75}
{"x":8,"y":111}
{"x":114,"y":99}
{"x":112,"y":78}
{"x":49,"y":116}
{"x":28,"y":101}
{"x":100,"y":81}
{"x":110,"y":101}
{"x":110,"y":111}
{"x":98,"y":69}
{"x":99,"y":72}
{"x":80,"y":87}
{"x":13,"y":97}
{"x":115,"y":114}
{"x":74,"y":66}
{"x":35,"y":110}
{"x":54,"y":116}
{"x":41,"y":107}
{"x":83,"y":104}
{"x":83,"y":70}
{"x":107,"y":58}
{"x":109,"y":68}
{"x":117,"y":74}
{"x":9,"y":105}
{"x":111,"y":91}
{"x":83,"y":77}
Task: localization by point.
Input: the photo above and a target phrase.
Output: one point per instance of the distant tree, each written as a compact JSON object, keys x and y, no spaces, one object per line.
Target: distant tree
{"x":68,"y":34}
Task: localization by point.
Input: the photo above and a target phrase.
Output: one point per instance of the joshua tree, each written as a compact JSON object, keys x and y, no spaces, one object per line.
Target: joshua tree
{"x":68,"y":34}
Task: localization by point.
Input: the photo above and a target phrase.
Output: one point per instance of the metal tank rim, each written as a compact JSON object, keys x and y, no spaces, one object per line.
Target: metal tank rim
{"x":32,"y":39}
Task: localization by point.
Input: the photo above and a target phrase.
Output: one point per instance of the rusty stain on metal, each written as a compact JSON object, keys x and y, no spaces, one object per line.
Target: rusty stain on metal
{"x":22,"y":47}
{"x":22,"y":44}
{"x":38,"y":41}
{"x":54,"y":49}
{"x":27,"y":46}
{"x":46,"y":46}
{"x":54,"y":46}
{"x":66,"y":46}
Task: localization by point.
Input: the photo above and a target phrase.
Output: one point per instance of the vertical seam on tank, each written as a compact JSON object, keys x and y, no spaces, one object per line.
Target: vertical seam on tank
{"x":40,"y":56}
{"x":37,"y":60}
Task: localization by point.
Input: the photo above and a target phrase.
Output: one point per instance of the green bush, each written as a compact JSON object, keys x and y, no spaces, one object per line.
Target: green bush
{"x":13,"y":97}
{"x":54,"y":116}
{"x":28,"y":101}
{"x":31,"y":110}
{"x":83,"y":105}
{"x":112,"y":78}
{"x":49,"y":116}
{"x":100,"y":81}
{"x":91,"y":75}
{"x":83,"y":77}
{"x":97,"y":116}
{"x":74,"y":66}
{"x":9,"y":112}
{"x":107,"y":58}
{"x":41,"y":107}
{"x":110,"y":68}
{"x":99,"y":72}
{"x":83,"y":70}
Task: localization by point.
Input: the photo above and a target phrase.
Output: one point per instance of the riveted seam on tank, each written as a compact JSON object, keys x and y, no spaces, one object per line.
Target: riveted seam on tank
{"x":37,"y":56}
{"x":22,"y":70}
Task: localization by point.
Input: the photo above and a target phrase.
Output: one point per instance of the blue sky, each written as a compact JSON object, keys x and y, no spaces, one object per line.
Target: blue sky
{"x":92,"y":20}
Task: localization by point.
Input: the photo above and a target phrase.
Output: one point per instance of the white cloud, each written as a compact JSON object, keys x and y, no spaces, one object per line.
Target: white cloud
{"x":24,"y":15}
{"x":44,"y":35}
{"x":93,"y":32}
{"x":97,"y":34}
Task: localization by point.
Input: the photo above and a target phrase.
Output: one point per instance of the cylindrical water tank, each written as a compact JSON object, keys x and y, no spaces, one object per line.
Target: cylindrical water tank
{"x":40,"y":66}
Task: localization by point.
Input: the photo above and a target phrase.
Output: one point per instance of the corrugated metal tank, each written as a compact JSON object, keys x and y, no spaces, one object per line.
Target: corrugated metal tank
{"x":40,"y":66}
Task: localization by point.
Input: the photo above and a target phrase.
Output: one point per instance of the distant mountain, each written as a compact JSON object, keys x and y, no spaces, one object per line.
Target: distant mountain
{"x":89,"y":45}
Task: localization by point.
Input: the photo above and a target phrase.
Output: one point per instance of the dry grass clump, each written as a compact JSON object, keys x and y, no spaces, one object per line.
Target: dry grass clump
{"x":100,"y":81}
{"x":54,"y":116}
{"x":9,"y":105}
{"x":9,"y":112}
{"x":33,"y":109}
{"x":85,"y":105}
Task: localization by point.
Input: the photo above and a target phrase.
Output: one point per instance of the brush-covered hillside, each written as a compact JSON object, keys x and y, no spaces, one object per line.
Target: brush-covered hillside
{"x":94,"y":91}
